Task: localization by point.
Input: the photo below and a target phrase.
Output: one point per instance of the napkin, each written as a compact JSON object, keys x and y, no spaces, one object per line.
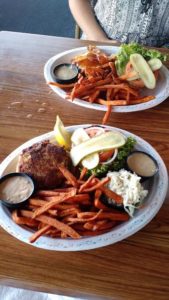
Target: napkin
{"x":9,"y":293}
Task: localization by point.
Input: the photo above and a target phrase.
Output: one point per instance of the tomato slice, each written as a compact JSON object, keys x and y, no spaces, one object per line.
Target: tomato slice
{"x":129,"y":68}
{"x":137,"y":83}
{"x":105,"y":155}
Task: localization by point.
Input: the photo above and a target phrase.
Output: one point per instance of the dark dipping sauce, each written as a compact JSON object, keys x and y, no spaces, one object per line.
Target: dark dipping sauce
{"x":142,"y":164}
{"x":66,"y":73}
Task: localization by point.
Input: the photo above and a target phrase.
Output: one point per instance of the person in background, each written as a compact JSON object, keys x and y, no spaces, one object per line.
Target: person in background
{"x":141,"y":21}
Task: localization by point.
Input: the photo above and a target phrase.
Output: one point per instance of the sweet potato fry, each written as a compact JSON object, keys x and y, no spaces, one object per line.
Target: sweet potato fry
{"x":77,"y":226}
{"x":133,"y":92}
{"x":103,"y":226}
{"x":108,"y":94}
{"x":80,"y":198}
{"x":81,"y":181}
{"x":93,"y":96}
{"x":68,"y":175}
{"x":32,"y":207}
{"x":54,"y":233}
{"x":26,"y":213}
{"x":107,"y":114}
{"x":96,"y":78}
{"x":86,"y":214}
{"x":94,"y":216}
{"x":70,"y":211}
{"x":53,"y":222}
{"x":23,"y":220}
{"x":56,"y":192}
{"x":112,"y":195}
{"x":98,"y":185}
{"x":142,"y":100}
{"x":66,"y":206}
{"x":103,"y":81}
{"x":86,"y":184}
{"x":39,"y":233}
{"x":97,"y":194}
{"x":89,"y":225}
{"x":59,"y":225}
{"x":53,"y":212}
{"x":98,"y":204}
{"x":120,"y":87}
{"x":64,"y":235}
{"x":63,"y":195}
{"x":110,"y":86}
{"x":49,"y":205}
{"x":118,"y":102}
{"x":37,"y":202}
{"x":114,"y":216}
{"x":99,"y":225}
{"x":128,"y":97}
{"x":83,"y":173}
{"x":113,"y":68}
{"x":85,"y":89}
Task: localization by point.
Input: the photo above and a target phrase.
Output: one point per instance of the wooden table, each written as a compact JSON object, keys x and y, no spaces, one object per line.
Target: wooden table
{"x":136,"y":268}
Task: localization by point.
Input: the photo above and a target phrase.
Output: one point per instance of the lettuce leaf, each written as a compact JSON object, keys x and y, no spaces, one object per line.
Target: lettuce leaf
{"x":127,"y":49}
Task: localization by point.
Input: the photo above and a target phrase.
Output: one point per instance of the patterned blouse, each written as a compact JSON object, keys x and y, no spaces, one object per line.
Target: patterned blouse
{"x":142,"y":21}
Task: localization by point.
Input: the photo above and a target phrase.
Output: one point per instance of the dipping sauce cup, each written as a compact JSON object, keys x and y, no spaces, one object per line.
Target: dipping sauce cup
{"x":143,"y":164}
{"x":65,"y":73}
{"x":16,"y":189}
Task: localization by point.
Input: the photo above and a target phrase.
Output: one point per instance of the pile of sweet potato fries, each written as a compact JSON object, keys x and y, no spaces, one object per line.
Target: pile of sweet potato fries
{"x":99,"y":83}
{"x":74,"y":211}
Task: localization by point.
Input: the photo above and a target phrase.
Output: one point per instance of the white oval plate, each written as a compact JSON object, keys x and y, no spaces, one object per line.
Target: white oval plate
{"x":161,"y":92}
{"x":157,"y":192}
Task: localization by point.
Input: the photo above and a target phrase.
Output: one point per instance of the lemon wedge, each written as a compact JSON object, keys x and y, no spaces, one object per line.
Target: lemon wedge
{"x":62,"y":136}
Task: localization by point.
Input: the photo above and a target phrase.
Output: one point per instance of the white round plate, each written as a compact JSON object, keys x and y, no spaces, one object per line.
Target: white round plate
{"x":157,"y":191}
{"x":161,"y":92}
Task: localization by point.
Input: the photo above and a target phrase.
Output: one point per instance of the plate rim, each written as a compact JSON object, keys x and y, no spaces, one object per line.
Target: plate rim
{"x":77,"y":245}
{"x":119,"y":109}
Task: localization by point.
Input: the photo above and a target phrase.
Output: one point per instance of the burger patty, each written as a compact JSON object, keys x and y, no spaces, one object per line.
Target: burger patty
{"x":41,"y":161}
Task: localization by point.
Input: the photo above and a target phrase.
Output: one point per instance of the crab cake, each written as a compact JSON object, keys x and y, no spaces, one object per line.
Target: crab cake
{"x":41,"y":161}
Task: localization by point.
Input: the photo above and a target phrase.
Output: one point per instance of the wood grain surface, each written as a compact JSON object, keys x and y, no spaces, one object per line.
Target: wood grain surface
{"x":136,"y":268}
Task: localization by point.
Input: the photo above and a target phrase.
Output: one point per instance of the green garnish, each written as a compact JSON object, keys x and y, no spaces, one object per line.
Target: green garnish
{"x":99,"y":171}
{"x":123,"y":152}
{"x":127,"y":49}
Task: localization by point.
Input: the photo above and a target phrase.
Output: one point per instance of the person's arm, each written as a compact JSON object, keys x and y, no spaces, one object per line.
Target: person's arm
{"x":85,"y":18}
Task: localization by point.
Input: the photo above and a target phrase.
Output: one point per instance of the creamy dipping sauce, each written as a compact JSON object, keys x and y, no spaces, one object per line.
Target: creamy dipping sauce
{"x":15,"y":189}
{"x":65,"y":72}
{"x":142,"y":164}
